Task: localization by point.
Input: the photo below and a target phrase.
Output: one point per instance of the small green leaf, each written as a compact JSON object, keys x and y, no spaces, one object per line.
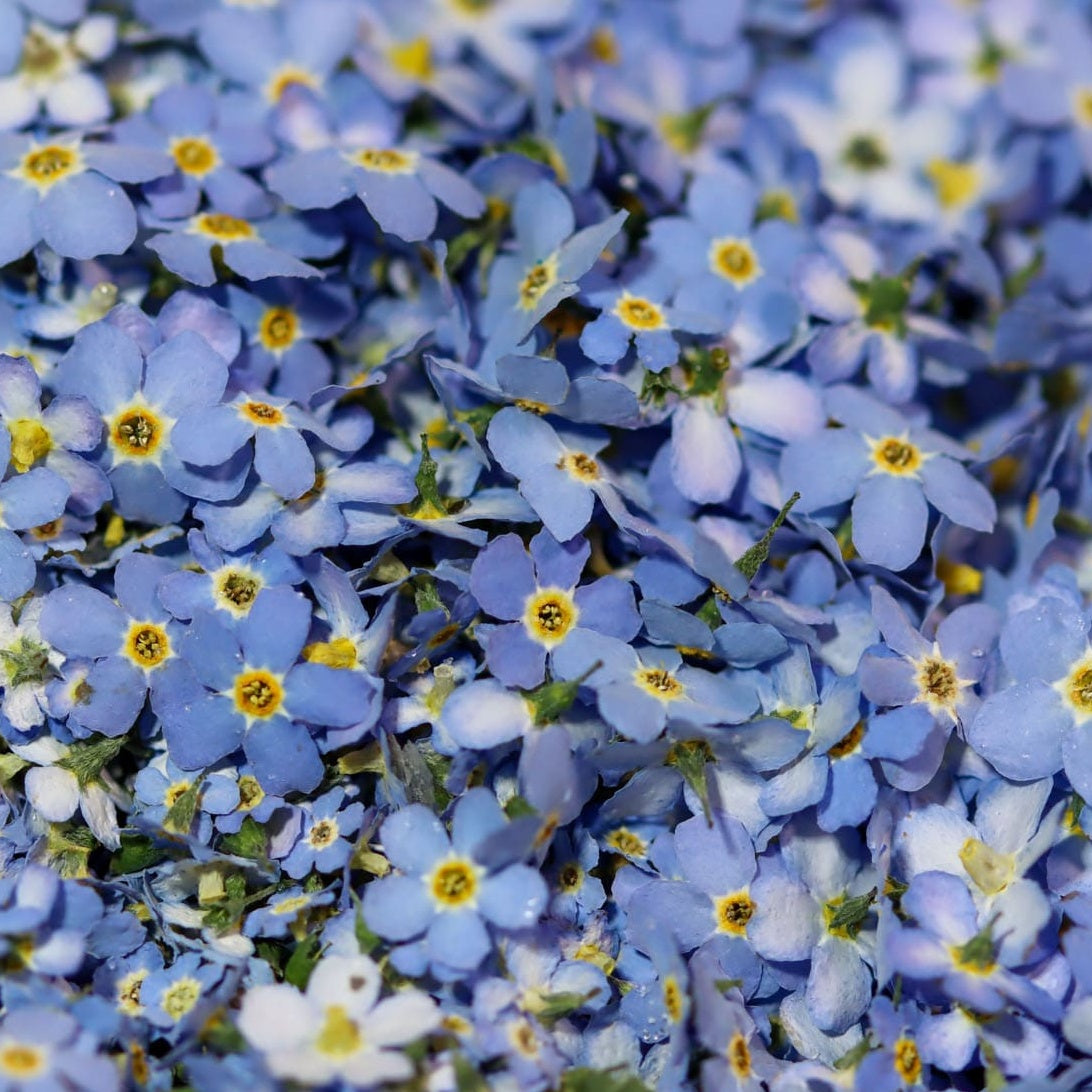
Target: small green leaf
{"x":467,"y":1077}
{"x":551,"y":699}
{"x":690,"y":758}
{"x":855,"y":1055}
{"x":601,"y":1080}
{"x":428,"y":504}
{"x":136,"y":854}
{"x":302,"y":961}
{"x":425,"y":596}
{"x":250,"y":841}
{"x":845,"y":918}
{"x":553,"y":1006}
{"x":179,"y":817}
{"x":518,"y":807}
{"x":755,"y":557}
{"x":86,"y":759}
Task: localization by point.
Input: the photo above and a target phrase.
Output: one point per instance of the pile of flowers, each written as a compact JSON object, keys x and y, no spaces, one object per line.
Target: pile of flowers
{"x":545,"y":544}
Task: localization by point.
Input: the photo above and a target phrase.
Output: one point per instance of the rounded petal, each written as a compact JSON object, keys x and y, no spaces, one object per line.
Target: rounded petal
{"x":889,"y":521}
{"x":87,"y":215}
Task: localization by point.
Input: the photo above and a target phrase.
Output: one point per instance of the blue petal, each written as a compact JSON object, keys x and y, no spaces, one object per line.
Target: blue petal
{"x":81,"y":621}
{"x":954,"y":492}
{"x":400,"y":204}
{"x":512,"y":656}
{"x":284,"y":461}
{"x":502,"y":577}
{"x":327,"y":696}
{"x":85,"y":216}
{"x":396,"y":907}
{"x":31,"y":499}
{"x":458,"y":940}
{"x":80,"y":371}
{"x":117,"y":697}
{"x":17,"y":567}
{"x":1019,"y":731}
{"x":18,"y":227}
{"x":208,"y":437}
{"x":514,"y":898}
{"x":275,"y":629}
{"x":826,"y":469}
{"x":414,"y":839}
{"x":184,"y":373}
{"x":889,"y":521}
{"x":284,"y":756}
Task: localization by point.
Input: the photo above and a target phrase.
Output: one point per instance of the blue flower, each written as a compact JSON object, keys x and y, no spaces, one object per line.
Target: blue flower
{"x":244,"y":688}
{"x":447,"y":888}
{"x":66,"y":191}
{"x":322,"y":843}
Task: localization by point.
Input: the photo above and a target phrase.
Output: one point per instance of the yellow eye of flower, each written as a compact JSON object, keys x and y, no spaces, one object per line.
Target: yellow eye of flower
{"x":387,"y":160}
{"x":638,"y":313}
{"x":278,"y":329}
{"x":412,"y":59}
{"x":136,"y":433}
{"x":673,"y":998}
{"x":147,"y":644}
{"x":454,"y":883}
{"x":580,"y":466}
{"x":739,"y":1056}
{"x":733,"y":912}
{"x":287,"y":76}
{"x":539,"y":280}
{"x":955,"y":183}
{"x":222,"y":227}
{"x":896,"y":455}
{"x":194,"y":156}
{"x":735,"y":260}
{"x":550,"y":615}
{"x":1078,"y":688}
{"x":340,"y":1034}
{"x":262,"y":413}
{"x":45,"y":167}
{"x":180,"y":997}
{"x":907,"y":1061}
{"x":22,"y":1060}
{"x":258,"y":693}
{"x":660,"y":683}
{"x":627,"y":842}
{"x":849,"y":742}
{"x":235,"y":590}
{"x":30,"y":441}
{"x":324,"y":833}
{"x":1082,"y":106}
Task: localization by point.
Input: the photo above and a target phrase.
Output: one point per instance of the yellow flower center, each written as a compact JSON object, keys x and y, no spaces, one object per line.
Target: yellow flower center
{"x":136,"y":433}
{"x":258,"y":693}
{"x":735,"y":260}
{"x":549,"y":615}
{"x":235,"y":589}
{"x":1082,"y":106}
{"x":147,"y":644}
{"x":194,"y":156}
{"x":570,"y":878}
{"x":733,"y":912}
{"x":287,"y":76}
{"x":22,"y":1060}
{"x":907,"y":1061}
{"x":43,"y":54}
{"x":412,"y":59}
{"x":739,"y":1056}
{"x":454,"y":883}
{"x":956,"y":184}
{"x":660,"y":683}
{"x":638,"y":313}
{"x":938,"y":684}
{"x":673,"y":998}
{"x":539,"y":280}
{"x":221,"y":226}
{"x":386,"y":160}
{"x":128,"y":992}
{"x":1078,"y":688}
{"x":30,"y":441}
{"x":262,"y":413}
{"x":251,"y":794}
{"x":180,"y":997}
{"x":580,"y":466}
{"x":175,"y":791}
{"x":278,"y":329}
{"x":324,"y":833}
{"x":778,"y":205}
{"x":45,"y":167}
{"x":627,"y":842}
{"x":865,"y":152}
{"x":849,"y":743}
{"x":896,"y":455}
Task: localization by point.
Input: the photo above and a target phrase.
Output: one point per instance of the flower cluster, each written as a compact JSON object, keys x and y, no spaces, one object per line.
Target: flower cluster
{"x":545,"y":545}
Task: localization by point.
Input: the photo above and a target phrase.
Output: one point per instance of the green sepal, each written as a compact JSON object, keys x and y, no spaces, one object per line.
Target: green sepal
{"x":755,"y":556}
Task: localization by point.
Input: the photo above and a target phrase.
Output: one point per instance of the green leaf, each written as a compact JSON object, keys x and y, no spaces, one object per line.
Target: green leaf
{"x":409,"y":767}
{"x":365,"y":938}
{"x":551,"y":699}
{"x":709,"y":613}
{"x":137,"y":853}
{"x":690,"y":757}
{"x":552,"y":1006}
{"x":845,"y":918}
{"x":755,"y":557}
{"x":428,"y":504}
{"x":425,"y":596}
{"x":518,"y":807}
{"x":86,"y":759}
{"x":250,"y":841}
{"x":855,"y":1055}
{"x":302,"y":961}
{"x":467,"y":1077}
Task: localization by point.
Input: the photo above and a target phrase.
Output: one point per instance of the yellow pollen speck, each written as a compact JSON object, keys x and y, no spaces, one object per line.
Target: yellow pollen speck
{"x":638,"y":313}
{"x":735,"y":260}
{"x":412,"y":59}
{"x":44,"y":167}
{"x":340,"y":1034}
{"x":324,"y":833}
{"x":221,"y":226}
{"x":147,"y":644}
{"x":128,"y":992}
{"x":339,"y":653}
{"x":990,"y":870}
{"x":1031,"y":512}
{"x":386,"y":160}
{"x":454,"y":883}
{"x":958,"y":577}
{"x":291,"y":905}
{"x":278,"y":329}
{"x":956,"y":184}
{"x":136,"y":433}
{"x":896,"y":455}
{"x":30,"y":441}
{"x":549,"y":615}
{"x":733,"y":912}
{"x":603,"y":46}
{"x":258,"y":693}
{"x":849,"y":743}
{"x":22,"y":1060}
{"x":194,"y":156}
